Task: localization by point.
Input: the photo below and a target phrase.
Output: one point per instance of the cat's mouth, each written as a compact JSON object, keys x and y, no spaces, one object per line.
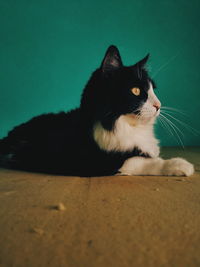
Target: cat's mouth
{"x":149,"y":112}
{"x":142,"y":116}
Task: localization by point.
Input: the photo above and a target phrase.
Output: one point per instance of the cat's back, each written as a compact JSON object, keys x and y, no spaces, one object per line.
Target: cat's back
{"x":44,"y":123}
{"x":42,"y":142}
{"x":43,"y":130}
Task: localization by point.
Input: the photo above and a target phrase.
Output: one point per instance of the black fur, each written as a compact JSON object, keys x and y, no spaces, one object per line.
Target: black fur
{"x":63,"y":143}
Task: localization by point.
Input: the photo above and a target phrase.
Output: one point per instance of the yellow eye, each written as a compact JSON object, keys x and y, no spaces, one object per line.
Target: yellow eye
{"x":135,"y":91}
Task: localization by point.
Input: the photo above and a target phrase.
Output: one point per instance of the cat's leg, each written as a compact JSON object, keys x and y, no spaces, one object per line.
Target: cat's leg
{"x":156,"y":166}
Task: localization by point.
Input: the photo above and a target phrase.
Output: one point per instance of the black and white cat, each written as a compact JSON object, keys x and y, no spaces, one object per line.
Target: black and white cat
{"x":110,"y":133}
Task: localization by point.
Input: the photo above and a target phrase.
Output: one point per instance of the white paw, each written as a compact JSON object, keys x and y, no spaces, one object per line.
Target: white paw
{"x":155,"y":152}
{"x":177,"y":167}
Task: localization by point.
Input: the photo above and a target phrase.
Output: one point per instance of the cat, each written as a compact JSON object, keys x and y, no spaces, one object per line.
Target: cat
{"x":111,"y":133}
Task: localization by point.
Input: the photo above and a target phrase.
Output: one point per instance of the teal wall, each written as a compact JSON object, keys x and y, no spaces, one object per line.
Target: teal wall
{"x":49,"y":48}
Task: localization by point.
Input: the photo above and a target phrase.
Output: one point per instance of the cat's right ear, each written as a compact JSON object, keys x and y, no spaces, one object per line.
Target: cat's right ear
{"x":142,"y":63}
{"x":112,"y":59}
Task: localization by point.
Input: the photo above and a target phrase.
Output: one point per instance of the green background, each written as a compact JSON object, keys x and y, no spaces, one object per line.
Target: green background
{"x":48,"y":50}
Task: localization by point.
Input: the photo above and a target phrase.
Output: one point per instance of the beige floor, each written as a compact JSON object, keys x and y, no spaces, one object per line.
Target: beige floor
{"x":109,"y":221}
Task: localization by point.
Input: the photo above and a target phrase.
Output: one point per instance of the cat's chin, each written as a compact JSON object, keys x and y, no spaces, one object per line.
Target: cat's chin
{"x":147,"y":120}
{"x":135,"y":120}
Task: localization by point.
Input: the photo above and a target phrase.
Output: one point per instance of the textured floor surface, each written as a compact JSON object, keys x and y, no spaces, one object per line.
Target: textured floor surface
{"x":110,"y":221}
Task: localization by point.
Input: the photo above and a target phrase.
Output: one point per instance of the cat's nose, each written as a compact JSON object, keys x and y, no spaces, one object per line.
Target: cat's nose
{"x":157,"y":105}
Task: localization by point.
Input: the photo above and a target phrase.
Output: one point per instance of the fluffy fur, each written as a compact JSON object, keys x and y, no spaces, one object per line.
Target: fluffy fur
{"x":110,"y":133}
{"x":126,"y":137}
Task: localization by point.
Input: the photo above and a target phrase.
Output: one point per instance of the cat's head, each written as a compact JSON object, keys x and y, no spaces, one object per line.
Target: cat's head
{"x":115,"y":90}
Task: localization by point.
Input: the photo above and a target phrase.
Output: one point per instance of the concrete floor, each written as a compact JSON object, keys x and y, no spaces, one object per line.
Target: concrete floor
{"x":110,"y":221}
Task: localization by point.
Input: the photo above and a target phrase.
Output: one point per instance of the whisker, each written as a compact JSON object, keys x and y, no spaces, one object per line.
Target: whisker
{"x":108,"y":113}
{"x":162,"y":123}
{"x":175,"y":129}
{"x":167,"y":127}
{"x":139,"y":74}
{"x":170,"y":109}
{"x":173,"y":125}
{"x":185,"y":125}
{"x":165,"y":64}
{"x":169,"y":61}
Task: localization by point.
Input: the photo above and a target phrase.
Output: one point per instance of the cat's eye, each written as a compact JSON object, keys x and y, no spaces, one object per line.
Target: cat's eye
{"x":135,"y":91}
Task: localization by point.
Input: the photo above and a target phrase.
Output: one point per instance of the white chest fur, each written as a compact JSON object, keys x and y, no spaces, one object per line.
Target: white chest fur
{"x":126,"y":137}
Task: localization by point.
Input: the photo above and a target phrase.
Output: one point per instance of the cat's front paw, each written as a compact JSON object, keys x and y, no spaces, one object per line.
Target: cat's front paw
{"x":177,"y":167}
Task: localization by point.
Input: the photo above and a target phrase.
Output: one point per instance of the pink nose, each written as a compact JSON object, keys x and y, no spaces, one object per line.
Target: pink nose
{"x":157,"y":105}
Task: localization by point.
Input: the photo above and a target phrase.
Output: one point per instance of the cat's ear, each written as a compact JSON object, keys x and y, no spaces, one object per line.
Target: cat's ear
{"x":112,"y":59}
{"x":142,"y":63}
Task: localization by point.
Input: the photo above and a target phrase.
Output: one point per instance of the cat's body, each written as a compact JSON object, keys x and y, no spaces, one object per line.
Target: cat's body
{"x":62,"y":144}
{"x":111,"y":132}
